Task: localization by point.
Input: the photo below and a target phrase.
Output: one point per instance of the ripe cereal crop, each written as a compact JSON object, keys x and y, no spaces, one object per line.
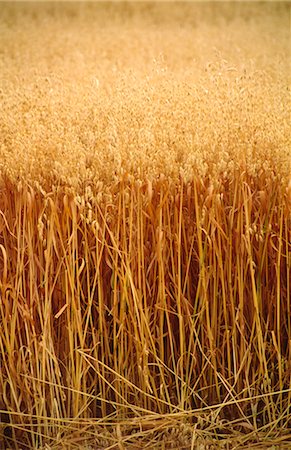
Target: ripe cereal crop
{"x":145,"y":226}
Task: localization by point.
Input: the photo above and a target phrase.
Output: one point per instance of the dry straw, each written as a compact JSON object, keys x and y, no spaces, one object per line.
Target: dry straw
{"x":145,"y":226}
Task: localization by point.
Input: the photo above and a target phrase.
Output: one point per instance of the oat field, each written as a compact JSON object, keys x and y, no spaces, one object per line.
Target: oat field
{"x":145,"y":226}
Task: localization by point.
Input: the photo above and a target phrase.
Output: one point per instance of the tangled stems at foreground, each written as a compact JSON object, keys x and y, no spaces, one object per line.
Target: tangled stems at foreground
{"x":167,"y":300}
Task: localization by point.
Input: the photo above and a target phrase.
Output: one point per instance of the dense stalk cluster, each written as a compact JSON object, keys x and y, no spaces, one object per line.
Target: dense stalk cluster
{"x":145,"y":217}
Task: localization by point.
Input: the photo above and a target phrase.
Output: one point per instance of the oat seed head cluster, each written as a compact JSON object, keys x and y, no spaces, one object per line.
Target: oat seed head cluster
{"x":89,"y":94}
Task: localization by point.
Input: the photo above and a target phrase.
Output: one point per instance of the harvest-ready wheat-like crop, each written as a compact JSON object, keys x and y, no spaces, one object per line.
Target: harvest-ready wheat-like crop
{"x":145,"y":217}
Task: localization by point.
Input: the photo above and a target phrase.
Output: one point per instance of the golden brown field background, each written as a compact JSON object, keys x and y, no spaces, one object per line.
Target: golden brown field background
{"x":145,"y":225}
